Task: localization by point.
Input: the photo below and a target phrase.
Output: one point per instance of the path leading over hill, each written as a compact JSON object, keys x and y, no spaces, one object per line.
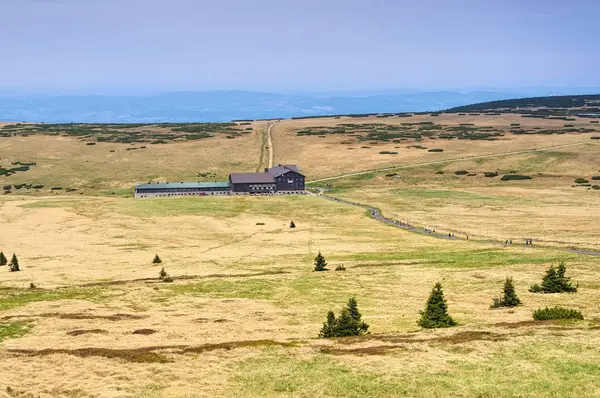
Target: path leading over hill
{"x":413,"y":165}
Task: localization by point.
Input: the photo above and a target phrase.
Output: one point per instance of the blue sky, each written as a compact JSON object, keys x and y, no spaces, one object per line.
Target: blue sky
{"x":279,"y":45}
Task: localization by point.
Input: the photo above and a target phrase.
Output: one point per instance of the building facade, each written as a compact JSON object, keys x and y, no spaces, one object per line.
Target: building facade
{"x":282,"y":179}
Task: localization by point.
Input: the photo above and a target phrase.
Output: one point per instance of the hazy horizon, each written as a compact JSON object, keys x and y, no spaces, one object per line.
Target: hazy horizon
{"x":152,"y":46}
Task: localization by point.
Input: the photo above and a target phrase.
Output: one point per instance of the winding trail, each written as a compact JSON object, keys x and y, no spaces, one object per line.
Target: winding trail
{"x":377,"y":215}
{"x":409,"y":166}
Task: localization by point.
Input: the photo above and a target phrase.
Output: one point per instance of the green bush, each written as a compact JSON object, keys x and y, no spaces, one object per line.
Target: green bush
{"x":435,"y":150}
{"x":548,"y":314}
{"x":340,"y":268}
{"x":555,"y":281}
{"x":509,"y":298}
{"x":439,"y":172}
{"x":349,"y":322}
{"x":490,"y":174}
{"x":435,"y":314}
{"x":514,"y":177}
{"x":14,"y":264}
{"x":3,"y":260}
{"x":156,"y":260}
{"x":596,"y":178}
{"x":596,"y":187}
{"x":320,"y":263}
{"x":461,"y":172}
{"x":581,"y":181}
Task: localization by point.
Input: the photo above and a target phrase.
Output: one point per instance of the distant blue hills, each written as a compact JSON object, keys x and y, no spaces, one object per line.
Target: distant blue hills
{"x":220,"y":106}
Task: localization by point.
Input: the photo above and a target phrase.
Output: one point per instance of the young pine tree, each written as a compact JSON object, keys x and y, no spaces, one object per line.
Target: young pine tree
{"x":320,"y":263}
{"x":555,"y":281}
{"x":563,"y":281}
{"x":156,"y":260}
{"x":14,"y":264}
{"x":328,"y":329}
{"x":292,"y":225}
{"x":436,"y":311}
{"x":162,"y":274}
{"x":509,"y":298}
{"x":3,"y":260}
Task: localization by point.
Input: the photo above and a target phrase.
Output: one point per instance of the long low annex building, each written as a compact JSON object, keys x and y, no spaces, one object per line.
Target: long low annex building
{"x":282,"y":179}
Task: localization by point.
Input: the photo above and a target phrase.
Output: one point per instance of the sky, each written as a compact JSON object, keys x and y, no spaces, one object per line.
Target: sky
{"x":133,"y":46}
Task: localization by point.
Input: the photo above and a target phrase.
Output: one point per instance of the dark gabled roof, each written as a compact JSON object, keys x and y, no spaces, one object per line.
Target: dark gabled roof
{"x":189,"y":185}
{"x":284,"y":168}
{"x":252,"y":178}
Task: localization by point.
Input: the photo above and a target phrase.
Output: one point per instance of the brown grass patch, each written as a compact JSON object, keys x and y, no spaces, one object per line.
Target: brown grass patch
{"x":375,"y":350}
{"x":79,"y":332}
{"x":149,"y":354}
{"x":114,"y":317}
{"x":144,"y":331}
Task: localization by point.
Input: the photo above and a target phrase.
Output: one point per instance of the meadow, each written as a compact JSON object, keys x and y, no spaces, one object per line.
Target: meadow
{"x":87,"y":315}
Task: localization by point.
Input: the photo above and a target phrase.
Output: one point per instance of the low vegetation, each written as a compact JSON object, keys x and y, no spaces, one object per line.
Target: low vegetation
{"x":555,"y":313}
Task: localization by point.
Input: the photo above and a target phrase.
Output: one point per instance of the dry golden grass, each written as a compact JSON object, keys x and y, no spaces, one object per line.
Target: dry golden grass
{"x":69,"y":163}
{"x":242,"y":315}
{"x":326,"y":157}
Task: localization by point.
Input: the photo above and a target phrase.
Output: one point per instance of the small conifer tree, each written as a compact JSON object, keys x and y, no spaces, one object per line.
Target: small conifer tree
{"x":509,"y":298}
{"x":349,"y":323}
{"x":320,"y":263}
{"x":435,"y":314}
{"x":14,"y":264}
{"x":328,"y":329}
{"x":156,"y":260}
{"x":555,"y":281}
{"x":162,"y":274}
{"x":292,"y":225}
{"x":3,"y":260}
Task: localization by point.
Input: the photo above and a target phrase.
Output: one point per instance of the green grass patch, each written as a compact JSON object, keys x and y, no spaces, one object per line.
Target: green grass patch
{"x":11,"y":330}
{"x":13,"y":298}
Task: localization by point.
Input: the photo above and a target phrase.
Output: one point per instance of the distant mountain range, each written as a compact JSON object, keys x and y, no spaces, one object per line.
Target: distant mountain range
{"x":218,"y":106}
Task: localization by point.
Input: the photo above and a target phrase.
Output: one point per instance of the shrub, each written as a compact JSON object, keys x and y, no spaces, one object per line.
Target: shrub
{"x":596,"y":178}
{"x":167,"y":278}
{"x":555,"y":281}
{"x":514,"y":177}
{"x":7,"y":187}
{"x":320,"y":263}
{"x":461,"y":172}
{"x":596,"y":187}
{"x":581,"y":181}
{"x":162,"y":274}
{"x":548,"y":314}
{"x":490,"y":174}
{"x":292,"y":225}
{"x":509,"y":298}
{"x":90,"y":143}
{"x":349,"y":322}
{"x":3,"y":260}
{"x":156,"y":260}
{"x":439,"y":172}
{"x":56,"y":188}
{"x":340,"y":268}
{"x":39,"y":186}
{"x":435,"y":150}
{"x":14,"y":264}
{"x":435,"y":314}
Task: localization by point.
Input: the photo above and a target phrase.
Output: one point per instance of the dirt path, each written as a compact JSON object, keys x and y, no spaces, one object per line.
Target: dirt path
{"x":408,"y":166}
{"x":377,"y":215}
{"x":266,"y":148}
{"x":270,"y":143}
